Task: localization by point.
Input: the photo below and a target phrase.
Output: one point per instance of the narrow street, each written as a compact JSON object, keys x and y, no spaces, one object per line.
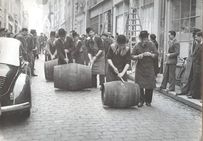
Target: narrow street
{"x":59,"y":115}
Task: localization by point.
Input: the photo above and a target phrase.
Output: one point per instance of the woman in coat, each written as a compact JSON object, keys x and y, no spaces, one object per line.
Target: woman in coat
{"x":145,"y":52}
{"x":118,"y":58}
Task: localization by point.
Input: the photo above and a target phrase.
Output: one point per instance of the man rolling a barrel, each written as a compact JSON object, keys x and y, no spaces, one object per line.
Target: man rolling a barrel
{"x":96,"y":55}
{"x":118,"y":58}
{"x":60,"y":47}
{"x":50,"y":48}
{"x":144,"y":52}
{"x":77,"y":52}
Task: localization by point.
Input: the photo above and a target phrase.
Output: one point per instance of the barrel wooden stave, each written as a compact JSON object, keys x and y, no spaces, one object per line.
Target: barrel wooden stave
{"x":120,"y":95}
{"x":72,"y":77}
{"x":49,"y":69}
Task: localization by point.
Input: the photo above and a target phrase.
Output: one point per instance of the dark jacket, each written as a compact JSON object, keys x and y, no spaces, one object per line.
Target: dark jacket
{"x":23,"y":47}
{"x":69,"y":44}
{"x":92,"y":48}
{"x":106,"y":45}
{"x":145,"y":74}
{"x":196,"y":58}
{"x":59,"y":44}
{"x":174,"y":51}
{"x":30,"y":43}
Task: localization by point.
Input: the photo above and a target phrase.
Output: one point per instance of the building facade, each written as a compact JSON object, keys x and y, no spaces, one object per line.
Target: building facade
{"x":155,"y":16}
{"x":183,"y":16}
{"x":61,"y":14}
{"x":80,"y":15}
{"x":100,"y":15}
{"x":12,"y":15}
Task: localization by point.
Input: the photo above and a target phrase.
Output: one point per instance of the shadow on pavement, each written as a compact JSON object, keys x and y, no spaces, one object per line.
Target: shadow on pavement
{"x":12,"y":119}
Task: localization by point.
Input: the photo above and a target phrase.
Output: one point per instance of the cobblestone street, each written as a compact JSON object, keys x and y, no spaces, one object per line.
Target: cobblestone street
{"x":59,"y":115}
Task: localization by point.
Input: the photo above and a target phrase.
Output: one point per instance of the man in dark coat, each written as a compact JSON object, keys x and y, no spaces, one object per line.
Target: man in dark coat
{"x":187,"y":78}
{"x":171,"y":61}
{"x":195,"y":90}
{"x":97,"y":56}
{"x":30,"y":48}
{"x":33,"y":32}
{"x":60,"y":47}
{"x":69,"y":46}
{"x":21,"y":36}
{"x":144,"y":53}
{"x":50,"y":50}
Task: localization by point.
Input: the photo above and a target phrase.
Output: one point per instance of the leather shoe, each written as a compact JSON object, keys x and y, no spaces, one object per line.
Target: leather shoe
{"x":160,"y":88}
{"x":180,"y":94}
{"x":148,"y":104}
{"x":140,"y":104}
{"x":34,"y":75}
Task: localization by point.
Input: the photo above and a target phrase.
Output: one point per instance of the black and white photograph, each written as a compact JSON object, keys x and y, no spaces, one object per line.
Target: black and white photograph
{"x":101,"y":70}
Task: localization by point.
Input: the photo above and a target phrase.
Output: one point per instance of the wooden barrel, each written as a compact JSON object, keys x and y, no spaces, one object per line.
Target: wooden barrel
{"x":117,"y":94}
{"x":49,"y":69}
{"x":72,"y":77}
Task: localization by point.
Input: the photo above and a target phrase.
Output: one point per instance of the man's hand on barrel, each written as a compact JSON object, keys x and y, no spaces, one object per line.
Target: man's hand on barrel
{"x":66,"y":51}
{"x":67,"y":60}
{"x":52,"y":57}
{"x":116,"y":70}
{"x":120,"y":75}
{"x":92,"y":61}
{"x":140,"y":56}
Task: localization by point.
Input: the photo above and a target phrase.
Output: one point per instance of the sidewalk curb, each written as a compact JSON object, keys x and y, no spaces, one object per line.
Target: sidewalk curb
{"x":181,"y":99}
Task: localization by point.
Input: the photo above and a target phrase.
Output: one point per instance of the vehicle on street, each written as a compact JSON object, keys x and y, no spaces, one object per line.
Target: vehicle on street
{"x":15,"y":89}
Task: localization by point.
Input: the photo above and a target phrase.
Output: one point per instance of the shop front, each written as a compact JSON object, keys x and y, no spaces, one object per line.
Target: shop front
{"x":183,"y":16}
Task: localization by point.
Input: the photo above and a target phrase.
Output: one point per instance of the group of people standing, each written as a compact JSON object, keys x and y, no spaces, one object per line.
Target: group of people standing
{"x":192,"y":72}
{"x":31,"y":45}
{"x":109,"y":58}
{"x":192,"y":77}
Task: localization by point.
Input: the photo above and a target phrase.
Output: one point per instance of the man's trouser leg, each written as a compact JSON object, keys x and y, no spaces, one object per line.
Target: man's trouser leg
{"x":196,"y":84}
{"x":94,"y":80}
{"x":148,"y":95}
{"x":165,"y":77}
{"x":172,"y":77}
{"x":186,"y":88}
{"x":142,"y":95}
{"x":101,"y":79}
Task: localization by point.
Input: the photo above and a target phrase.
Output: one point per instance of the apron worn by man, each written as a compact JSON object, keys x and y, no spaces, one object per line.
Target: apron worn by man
{"x":98,"y":66}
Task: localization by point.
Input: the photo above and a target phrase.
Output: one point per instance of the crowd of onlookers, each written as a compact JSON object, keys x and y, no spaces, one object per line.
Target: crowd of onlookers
{"x":31,"y":44}
{"x":110,"y":57}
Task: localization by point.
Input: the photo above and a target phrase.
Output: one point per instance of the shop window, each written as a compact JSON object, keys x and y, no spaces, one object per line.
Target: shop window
{"x":106,"y":22}
{"x":184,"y":16}
{"x":147,"y":2}
{"x":94,"y":23}
{"x":119,"y":24}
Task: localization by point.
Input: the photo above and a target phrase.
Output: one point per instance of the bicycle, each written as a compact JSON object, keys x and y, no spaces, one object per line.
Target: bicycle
{"x":180,"y":75}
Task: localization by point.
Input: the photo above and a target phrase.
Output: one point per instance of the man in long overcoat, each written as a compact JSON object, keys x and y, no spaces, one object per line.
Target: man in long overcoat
{"x":195,"y":90}
{"x":144,"y":53}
